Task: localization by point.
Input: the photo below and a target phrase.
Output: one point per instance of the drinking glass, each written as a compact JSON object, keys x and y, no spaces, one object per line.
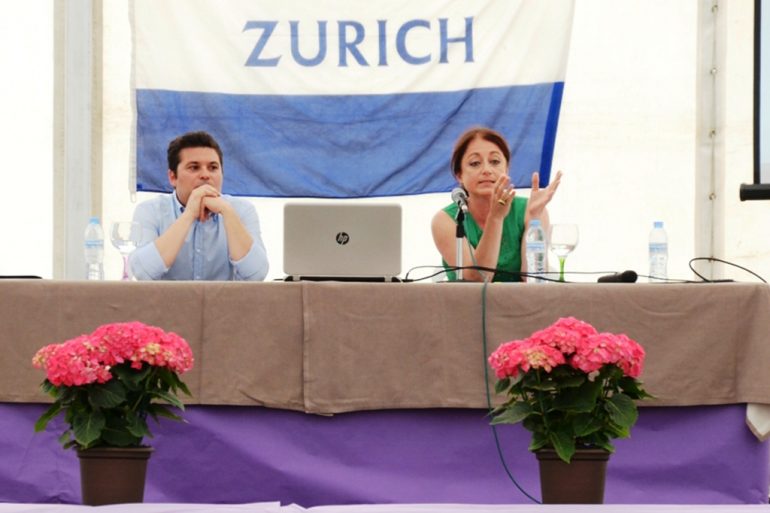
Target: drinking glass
{"x":563,"y":238}
{"x":126,"y":236}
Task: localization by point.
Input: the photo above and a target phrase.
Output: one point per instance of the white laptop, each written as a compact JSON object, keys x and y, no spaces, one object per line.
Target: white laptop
{"x":346,"y":241}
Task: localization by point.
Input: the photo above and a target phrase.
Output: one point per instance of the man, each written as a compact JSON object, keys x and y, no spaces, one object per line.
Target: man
{"x":196,"y":232}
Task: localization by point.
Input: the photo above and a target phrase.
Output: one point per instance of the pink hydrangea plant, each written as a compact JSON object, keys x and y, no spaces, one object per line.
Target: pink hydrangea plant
{"x":88,"y":358}
{"x":570,"y":385}
{"x":568,"y":341}
{"x":115,"y":376}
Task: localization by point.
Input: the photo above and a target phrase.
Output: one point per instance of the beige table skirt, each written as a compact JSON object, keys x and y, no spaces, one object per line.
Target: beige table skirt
{"x":329,"y":347}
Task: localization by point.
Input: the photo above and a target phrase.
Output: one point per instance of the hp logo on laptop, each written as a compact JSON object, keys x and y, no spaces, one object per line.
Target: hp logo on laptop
{"x":342,"y":238}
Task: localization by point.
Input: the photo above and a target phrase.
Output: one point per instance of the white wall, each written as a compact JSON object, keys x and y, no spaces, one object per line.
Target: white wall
{"x":26,"y":138}
{"x":626,"y":134}
{"x":627,"y":143}
{"x":743,"y":227}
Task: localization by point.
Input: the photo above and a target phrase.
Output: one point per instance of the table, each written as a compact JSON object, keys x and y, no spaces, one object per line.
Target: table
{"x":393,"y":375}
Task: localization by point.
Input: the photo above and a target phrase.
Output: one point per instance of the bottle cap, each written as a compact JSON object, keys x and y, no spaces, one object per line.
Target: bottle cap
{"x":93,"y":220}
{"x":534,"y":222}
{"x":658,"y":224}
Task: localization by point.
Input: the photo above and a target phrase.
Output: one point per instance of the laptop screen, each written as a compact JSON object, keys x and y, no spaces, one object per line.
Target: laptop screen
{"x":345,"y":240}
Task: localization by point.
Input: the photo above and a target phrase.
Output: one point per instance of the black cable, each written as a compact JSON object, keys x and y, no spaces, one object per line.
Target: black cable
{"x":444,"y":270}
{"x":486,"y":376}
{"x":667,"y":280}
{"x":440,"y":268}
{"x":489,"y":398}
{"x":713,"y":259}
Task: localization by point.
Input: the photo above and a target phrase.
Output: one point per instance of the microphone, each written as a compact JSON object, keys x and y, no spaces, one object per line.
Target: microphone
{"x":624,"y":277}
{"x":460,"y":197}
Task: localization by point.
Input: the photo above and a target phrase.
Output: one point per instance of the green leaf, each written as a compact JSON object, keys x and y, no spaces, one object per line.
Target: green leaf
{"x":169,"y":398}
{"x":573,"y":381}
{"x":529,"y":379}
{"x":69,"y":414}
{"x":607,"y":446}
{"x":136,"y":425}
{"x":47,"y":387}
{"x":534,"y":423}
{"x":66,"y":438}
{"x":169,"y":377}
{"x":184,"y":389}
{"x":88,"y":427}
{"x":610,"y":371}
{"x":585,"y":424}
{"x":171,"y":381}
{"x":502,"y":385}
{"x":176,"y":383}
{"x":158,"y":410}
{"x":563,"y":443}
{"x":46,"y":417}
{"x":516,"y":413}
{"x":579,"y":400}
{"x":618,"y":431}
{"x":124,"y":427}
{"x":132,"y":378}
{"x":500,"y":409}
{"x":65,"y":394}
{"x":120,"y":438}
{"x":108,"y":395}
{"x":633,"y":388}
{"x":543,"y":386}
{"x":539,"y":440}
{"x":622,"y":411}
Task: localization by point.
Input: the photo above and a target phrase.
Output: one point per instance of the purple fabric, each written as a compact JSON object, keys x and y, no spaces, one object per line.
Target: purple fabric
{"x":223,"y":454}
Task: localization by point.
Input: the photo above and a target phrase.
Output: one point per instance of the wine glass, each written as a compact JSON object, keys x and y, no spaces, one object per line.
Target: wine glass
{"x":126,"y":236}
{"x":563,"y":238}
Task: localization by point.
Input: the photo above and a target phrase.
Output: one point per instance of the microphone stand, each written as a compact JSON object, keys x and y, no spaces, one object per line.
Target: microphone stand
{"x":459,"y":236}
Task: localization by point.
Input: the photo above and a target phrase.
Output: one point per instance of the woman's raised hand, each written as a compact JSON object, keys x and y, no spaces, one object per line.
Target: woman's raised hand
{"x":502,"y":196}
{"x":539,"y":198}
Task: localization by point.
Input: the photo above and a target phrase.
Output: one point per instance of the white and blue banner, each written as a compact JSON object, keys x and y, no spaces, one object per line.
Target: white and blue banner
{"x":347,"y":98}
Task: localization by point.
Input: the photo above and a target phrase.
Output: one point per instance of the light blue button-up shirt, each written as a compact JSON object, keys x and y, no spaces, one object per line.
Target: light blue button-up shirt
{"x":204,"y":254}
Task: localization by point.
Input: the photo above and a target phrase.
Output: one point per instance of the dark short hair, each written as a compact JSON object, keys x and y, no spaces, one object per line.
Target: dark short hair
{"x":461,"y":146}
{"x":191,"y":140}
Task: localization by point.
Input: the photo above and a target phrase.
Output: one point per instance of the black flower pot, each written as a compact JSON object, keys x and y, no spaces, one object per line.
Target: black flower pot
{"x":579,"y":482}
{"x":113,"y":475}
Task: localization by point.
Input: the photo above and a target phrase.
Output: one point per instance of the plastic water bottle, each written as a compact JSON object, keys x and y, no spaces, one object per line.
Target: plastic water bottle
{"x":536,"y":251}
{"x":94,"y":250}
{"x":658,"y":252}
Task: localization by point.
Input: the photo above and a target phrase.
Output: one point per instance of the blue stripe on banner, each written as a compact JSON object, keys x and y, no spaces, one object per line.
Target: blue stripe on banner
{"x":346,"y":146}
{"x":549,"y":138}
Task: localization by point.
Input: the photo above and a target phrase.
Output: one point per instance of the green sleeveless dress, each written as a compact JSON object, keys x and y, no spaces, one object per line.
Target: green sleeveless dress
{"x":510,"y":244}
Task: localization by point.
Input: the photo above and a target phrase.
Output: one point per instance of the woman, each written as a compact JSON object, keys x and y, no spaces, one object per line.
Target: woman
{"x":498,"y":219}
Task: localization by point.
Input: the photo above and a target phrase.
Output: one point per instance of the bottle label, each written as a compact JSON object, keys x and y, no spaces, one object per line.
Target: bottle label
{"x":536,"y":246}
{"x":658,"y":247}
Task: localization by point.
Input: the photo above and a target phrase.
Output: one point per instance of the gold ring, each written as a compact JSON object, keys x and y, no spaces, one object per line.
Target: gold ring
{"x":502,"y":201}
